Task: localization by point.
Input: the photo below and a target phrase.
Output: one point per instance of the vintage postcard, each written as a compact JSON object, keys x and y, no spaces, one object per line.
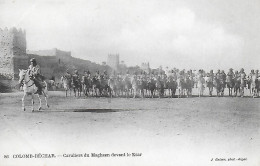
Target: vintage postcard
{"x":129,"y":82}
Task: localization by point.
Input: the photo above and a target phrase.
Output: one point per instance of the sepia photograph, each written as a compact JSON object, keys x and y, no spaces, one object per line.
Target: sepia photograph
{"x":129,"y":82}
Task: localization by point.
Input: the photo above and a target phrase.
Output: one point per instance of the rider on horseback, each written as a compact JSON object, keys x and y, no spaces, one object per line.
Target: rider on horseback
{"x":230,"y":73}
{"x":75,"y":78}
{"x":251,"y":74}
{"x":67,"y":74}
{"x":35,"y":75}
{"x":211,"y":75}
{"x":97,"y":75}
{"x":242,"y":74}
{"x":218,"y":74}
{"x":223,"y":76}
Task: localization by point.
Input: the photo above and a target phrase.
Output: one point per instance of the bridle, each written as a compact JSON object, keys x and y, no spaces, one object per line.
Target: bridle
{"x":27,"y":82}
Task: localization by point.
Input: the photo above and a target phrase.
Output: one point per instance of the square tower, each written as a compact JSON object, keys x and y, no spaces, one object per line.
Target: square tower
{"x":113,"y":61}
{"x":12,"y":52}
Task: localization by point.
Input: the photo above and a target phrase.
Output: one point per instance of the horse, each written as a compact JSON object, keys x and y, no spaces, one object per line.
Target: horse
{"x":86,"y":85}
{"x":112,"y":83}
{"x":171,"y":85}
{"x":159,"y":87}
{"x":209,"y":84}
{"x":200,"y":85}
{"x":29,"y":88}
{"x":151,"y":85}
{"x":135,"y":86}
{"x":104,"y":88}
{"x":237,"y":83}
{"x":217,"y":85}
{"x":258,"y":85}
{"x":127,"y":85}
{"x":230,"y":84}
{"x":76,"y":85}
{"x":120,"y":86}
{"x":243,"y":83}
{"x":52,"y":85}
{"x":142,"y":86}
{"x":254,"y":86}
{"x":188,"y":86}
{"x":180,"y":87}
{"x":66,"y":84}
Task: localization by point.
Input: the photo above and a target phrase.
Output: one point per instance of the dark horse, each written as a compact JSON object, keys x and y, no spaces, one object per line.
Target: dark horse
{"x":76,"y":85}
{"x":230,"y":84}
{"x":86,"y":85}
{"x":104,"y":88}
{"x":171,"y":85}
{"x":151,"y":86}
{"x":159,"y":87}
{"x":219,"y":85}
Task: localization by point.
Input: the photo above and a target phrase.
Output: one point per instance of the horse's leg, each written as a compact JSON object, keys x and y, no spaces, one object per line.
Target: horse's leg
{"x":241,"y":91}
{"x":134,"y":92}
{"x":222,"y":90}
{"x":32,"y":102}
{"x":40,"y":100}
{"x":45,"y":94}
{"x":23,"y":101}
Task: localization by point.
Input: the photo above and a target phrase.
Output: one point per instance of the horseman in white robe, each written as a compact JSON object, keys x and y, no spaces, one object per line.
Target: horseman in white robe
{"x":35,"y":75}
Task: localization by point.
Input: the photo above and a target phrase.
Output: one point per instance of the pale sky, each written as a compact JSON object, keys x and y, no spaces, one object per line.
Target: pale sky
{"x":208,"y":34}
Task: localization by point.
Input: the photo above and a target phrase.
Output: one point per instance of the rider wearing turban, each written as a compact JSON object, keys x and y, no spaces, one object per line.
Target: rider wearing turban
{"x":35,"y":75}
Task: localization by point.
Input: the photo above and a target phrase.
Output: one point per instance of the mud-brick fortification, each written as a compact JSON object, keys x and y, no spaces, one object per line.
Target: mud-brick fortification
{"x":113,"y":61}
{"x":12,"y":52}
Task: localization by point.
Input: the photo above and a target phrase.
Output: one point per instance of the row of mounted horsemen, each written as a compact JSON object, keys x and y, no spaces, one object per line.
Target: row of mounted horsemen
{"x":172,"y":84}
{"x":32,"y":83}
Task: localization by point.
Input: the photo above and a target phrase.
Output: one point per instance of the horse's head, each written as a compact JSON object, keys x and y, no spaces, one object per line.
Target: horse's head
{"x":22,"y":74}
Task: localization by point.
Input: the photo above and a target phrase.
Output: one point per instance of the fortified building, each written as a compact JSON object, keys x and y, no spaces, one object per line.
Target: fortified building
{"x":12,"y":52}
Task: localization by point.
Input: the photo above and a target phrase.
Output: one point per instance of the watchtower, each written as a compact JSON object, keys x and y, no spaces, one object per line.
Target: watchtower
{"x":12,"y":52}
{"x":113,"y":61}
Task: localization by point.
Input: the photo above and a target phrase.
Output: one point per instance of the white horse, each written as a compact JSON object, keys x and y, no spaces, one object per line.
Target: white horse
{"x":201,"y":82}
{"x":29,"y":88}
{"x":66,"y":84}
{"x":134,"y":83}
{"x":180,"y":87}
{"x":253,"y":86}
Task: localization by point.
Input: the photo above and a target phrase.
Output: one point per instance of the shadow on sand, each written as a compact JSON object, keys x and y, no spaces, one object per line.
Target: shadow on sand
{"x":91,"y":110}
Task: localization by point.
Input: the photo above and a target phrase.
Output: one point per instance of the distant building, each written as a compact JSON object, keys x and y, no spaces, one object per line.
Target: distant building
{"x":58,"y":54}
{"x":145,"y":67}
{"x":50,"y":59}
{"x":113,"y":61}
{"x":12,"y":52}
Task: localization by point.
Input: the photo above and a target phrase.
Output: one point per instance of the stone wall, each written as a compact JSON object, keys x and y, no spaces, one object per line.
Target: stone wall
{"x":12,"y":52}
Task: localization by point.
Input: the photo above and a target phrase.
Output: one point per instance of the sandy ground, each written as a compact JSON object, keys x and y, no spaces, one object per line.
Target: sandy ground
{"x":183,"y":132}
